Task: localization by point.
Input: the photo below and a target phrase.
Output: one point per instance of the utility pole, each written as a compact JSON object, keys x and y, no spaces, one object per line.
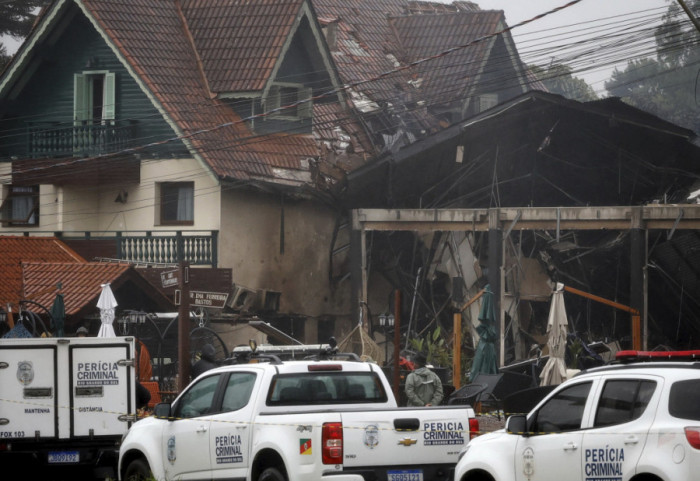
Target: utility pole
{"x":183,"y":328}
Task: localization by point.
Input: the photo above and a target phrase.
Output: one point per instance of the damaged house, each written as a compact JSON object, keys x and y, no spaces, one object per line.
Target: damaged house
{"x":152,"y":132}
{"x":259,"y":137}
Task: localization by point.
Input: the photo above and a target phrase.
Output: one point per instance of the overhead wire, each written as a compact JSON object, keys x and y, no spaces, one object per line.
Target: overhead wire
{"x":252,"y":138}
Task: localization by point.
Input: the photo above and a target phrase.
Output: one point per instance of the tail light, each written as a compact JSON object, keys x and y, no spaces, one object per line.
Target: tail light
{"x":693,"y":436}
{"x":332,"y":442}
{"x":473,"y":428}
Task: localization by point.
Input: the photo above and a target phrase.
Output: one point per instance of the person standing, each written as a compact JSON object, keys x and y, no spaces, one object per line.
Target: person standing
{"x":423,"y":386}
{"x":206,"y":362}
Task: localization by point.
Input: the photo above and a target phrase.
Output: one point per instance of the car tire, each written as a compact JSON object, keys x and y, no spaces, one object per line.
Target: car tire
{"x":271,"y":474}
{"x":137,"y":470}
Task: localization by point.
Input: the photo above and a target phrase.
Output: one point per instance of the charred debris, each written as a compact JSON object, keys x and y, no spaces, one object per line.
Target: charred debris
{"x":539,"y":151}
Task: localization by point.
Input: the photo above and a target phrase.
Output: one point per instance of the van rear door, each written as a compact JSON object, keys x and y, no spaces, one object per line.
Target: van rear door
{"x":28,"y":379}
{"x":101,"y":388}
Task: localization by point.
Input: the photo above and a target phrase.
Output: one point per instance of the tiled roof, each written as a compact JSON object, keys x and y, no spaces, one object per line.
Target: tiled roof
{"x":449,"y":75}
{"x":187,"y":52}
{"x":17,"y":249}
{"x":239,"y":42}
{"x":151,"y":36}
{"x":81,"y":283}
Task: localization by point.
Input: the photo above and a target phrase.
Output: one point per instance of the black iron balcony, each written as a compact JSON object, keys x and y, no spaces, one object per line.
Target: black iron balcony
{"x":83,"y":139}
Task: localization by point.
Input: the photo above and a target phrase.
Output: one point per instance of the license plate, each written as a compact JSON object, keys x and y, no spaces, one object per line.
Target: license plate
{"x":64,"y":457}
{"x":405,"y":475}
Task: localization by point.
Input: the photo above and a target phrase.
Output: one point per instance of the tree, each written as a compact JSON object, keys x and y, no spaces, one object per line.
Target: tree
{"x":16,"y":20}
{"x":558,"y":79}
{"x":668,"y":85}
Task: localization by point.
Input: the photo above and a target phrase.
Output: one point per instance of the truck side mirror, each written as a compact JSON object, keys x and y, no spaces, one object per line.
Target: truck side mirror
{"x":163,"y":411}
{"x":517,"y":424}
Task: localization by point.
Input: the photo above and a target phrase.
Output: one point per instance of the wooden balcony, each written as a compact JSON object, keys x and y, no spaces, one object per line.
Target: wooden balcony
{"x":57,"y":154}
{"x":53,"y":139}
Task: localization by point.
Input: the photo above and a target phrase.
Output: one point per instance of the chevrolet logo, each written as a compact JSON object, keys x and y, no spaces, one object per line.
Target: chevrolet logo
{"x":407,"y":442}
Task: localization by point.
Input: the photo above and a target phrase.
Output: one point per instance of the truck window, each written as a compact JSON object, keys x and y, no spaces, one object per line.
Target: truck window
{"x":325,"y":388}
{"x":197,"y":400}
{"x":563,"y":412}
{"x":623,"y":401}
{"x":238,"y":390}
{"x":682,"y":401}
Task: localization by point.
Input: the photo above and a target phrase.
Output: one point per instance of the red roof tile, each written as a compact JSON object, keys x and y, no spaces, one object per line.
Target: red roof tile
{"x":17,"y":249}
{"x":81,"y":283}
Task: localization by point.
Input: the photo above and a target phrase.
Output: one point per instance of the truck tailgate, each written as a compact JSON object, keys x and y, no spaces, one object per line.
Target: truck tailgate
{"x":404,"y":436}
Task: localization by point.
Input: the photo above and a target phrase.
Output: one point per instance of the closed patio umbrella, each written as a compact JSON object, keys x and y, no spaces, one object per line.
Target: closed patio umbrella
{"x":58,"y":314}
{"x":554,"y":372}
{"x":106,"y":303}
{"x":485,"y":357}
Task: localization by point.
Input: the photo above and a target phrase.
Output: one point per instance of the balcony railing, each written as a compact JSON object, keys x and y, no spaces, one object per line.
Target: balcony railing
{"x":197,"y":249}
{"x":142,"y":247}
{"x":54,"y":139}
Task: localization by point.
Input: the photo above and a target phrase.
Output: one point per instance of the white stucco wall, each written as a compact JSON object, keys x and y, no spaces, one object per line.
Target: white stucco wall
{"x":78,"y":208}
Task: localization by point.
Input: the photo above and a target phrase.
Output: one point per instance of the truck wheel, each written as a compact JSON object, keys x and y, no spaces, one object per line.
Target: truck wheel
{"x":137,"y":470}
{"x":271,"y":474}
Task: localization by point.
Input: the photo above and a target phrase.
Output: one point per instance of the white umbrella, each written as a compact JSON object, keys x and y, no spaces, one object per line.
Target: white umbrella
{"x":554,"y":371}
{"x":106,"y":303}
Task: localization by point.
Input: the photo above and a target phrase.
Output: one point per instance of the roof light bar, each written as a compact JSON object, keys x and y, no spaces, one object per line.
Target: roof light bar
{"x":628,"y":356}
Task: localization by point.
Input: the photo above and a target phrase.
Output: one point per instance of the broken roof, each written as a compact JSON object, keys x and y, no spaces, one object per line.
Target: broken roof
{"x":187,"y":56}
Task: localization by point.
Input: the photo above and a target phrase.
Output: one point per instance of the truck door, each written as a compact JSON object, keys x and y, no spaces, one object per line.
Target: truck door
{"x":102,"y":388}
{"x":28,"y":379}
{"x":185,"y":441}
{"x":624,"y":411}
{"x":231,"y":428}
{"x":553,"y":449}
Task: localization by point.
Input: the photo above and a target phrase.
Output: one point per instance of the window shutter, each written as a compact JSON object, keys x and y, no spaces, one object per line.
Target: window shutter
{"x":108,"y":105}
{"x":80,"y":98}
{"x":305,"y":109}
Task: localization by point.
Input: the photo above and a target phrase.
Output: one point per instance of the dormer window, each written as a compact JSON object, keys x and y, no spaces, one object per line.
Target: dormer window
{"x":286,"y":98}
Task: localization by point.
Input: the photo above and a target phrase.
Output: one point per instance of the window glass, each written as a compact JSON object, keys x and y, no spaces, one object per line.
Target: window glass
{"x":683,"y":401}
{"x":21,"y":206}
{"x":326,"y":388}
{"x":623,"y":401}
{"x":177,"y":202}
{"x":238,"y":391}
{"x":563,"y":412}
{"x":197,"y":401}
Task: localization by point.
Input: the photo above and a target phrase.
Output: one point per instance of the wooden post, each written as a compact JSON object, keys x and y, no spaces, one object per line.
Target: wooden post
{"x":183,"y":329}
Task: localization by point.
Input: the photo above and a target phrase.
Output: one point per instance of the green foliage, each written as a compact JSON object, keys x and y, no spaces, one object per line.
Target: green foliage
{"x":434,"y":347}
{"x":559,"y":80}
{"x":16,"y":20}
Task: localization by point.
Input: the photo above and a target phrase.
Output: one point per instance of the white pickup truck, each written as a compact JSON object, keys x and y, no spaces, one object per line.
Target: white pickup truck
{"x":65,"y":403}
{"x":315,"y":419}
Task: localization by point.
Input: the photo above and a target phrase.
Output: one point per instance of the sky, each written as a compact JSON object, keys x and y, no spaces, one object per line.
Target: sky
{"x":588,"y":19}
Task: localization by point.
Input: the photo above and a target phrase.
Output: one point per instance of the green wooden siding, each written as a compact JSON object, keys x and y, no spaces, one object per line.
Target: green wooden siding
{"x":48,"y":96}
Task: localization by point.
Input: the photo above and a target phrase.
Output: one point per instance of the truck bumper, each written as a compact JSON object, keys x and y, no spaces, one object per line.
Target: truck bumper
{"x":35,"y":457}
